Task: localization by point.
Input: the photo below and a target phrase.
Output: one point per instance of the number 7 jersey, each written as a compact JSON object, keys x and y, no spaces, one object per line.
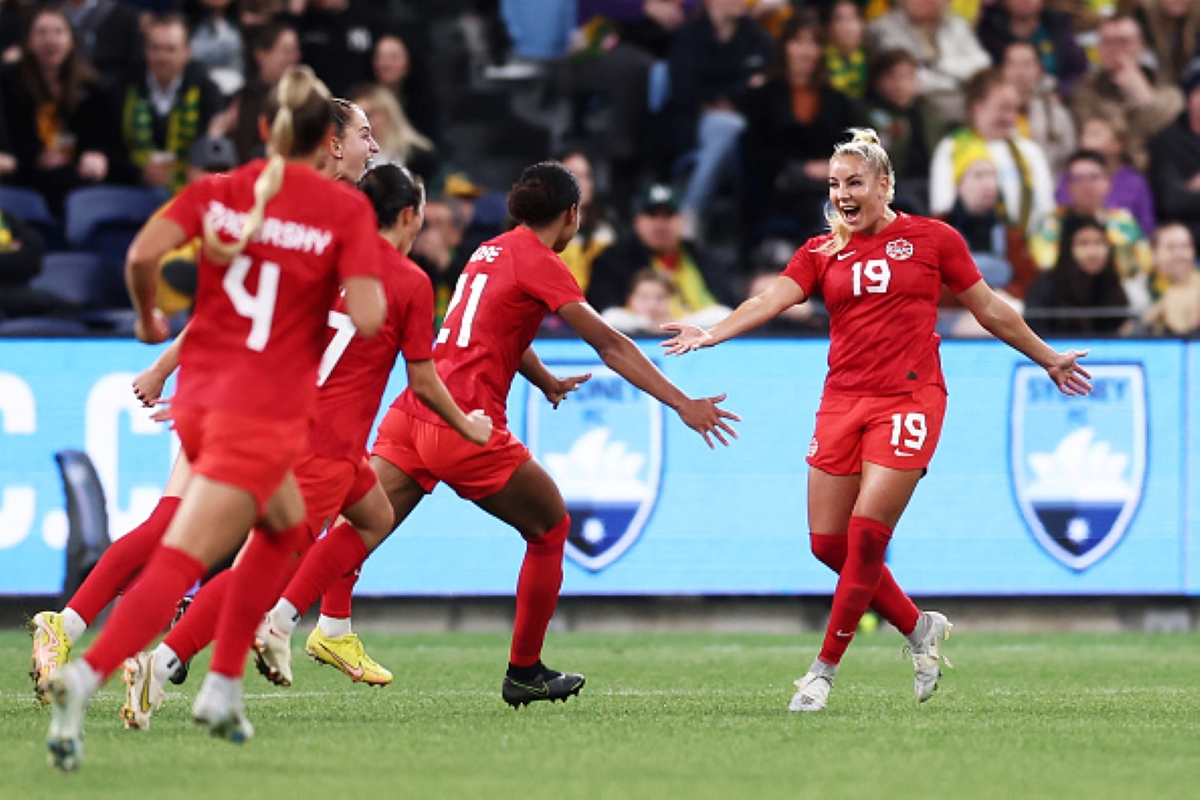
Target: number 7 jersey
{"x":882,"y":293}
{"x":507,"y":288}
{"x":259,"y":327}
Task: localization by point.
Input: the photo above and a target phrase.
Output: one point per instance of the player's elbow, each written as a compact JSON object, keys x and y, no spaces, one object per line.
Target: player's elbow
{"x":365,"y":305}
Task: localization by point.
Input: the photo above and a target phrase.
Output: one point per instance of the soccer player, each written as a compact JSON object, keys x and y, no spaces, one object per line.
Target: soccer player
{"x":247,"y":389}
{"x":881,"y":273}
{"x":335,"y":476}
{"x":508,"y":287}
{"x":348,"y":148}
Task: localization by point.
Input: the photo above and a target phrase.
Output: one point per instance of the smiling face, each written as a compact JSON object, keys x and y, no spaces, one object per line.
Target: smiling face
{"x":50,"y":40}
{"x":858,"y":194}
{"x":356,"y":147}
{"x":1089,"y":248}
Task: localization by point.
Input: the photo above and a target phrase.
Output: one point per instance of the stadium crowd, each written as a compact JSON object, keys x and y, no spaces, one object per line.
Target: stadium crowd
{"x":699,"y":130}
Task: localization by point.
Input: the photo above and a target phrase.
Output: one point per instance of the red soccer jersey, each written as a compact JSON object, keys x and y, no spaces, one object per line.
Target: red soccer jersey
{"x":882,"y":293}
{"x":260,"y":322}
{"x":354,"y":371}
{"x":507,"y":288}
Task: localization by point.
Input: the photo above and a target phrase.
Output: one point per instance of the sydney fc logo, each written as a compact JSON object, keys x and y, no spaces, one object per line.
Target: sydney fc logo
{"x":1079,"y":464}
{"x":603,"y":447}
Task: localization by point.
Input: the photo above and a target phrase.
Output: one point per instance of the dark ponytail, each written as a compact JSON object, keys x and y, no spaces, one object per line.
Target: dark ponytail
{"x":391,"y":189}
{"x":544,"y":191}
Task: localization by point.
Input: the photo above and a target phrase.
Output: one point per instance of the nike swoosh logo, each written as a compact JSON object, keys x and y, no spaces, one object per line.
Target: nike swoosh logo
{"x":355,"y":673}
{"x":903,"y":454}
{"x":844,"y":256}
{"x":144,"y":700}
{"x":843,"y":635}
{"x":538,"y":690}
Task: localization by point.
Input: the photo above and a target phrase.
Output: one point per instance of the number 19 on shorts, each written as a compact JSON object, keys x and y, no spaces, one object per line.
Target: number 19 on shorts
{"x":908,"y":432}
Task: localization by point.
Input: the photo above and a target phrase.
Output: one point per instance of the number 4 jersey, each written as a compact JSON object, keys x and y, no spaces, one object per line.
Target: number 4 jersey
{"x":260,"y":323}
{"x":502,"y":296}
{"x":882,"y":293}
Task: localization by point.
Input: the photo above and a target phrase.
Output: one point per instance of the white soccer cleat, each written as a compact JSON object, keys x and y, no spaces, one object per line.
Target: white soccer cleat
{"x":143,"y":692}
{"x":68,"y":692}
{"x":812,"y":692}
{"x":273,"y":652}
{"x":218,"y":708}
{"x":925,"y":656}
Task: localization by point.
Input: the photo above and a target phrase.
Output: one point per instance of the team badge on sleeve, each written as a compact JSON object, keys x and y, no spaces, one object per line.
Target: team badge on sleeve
{"x":603,"y":447}
{"x":1079,"y":463}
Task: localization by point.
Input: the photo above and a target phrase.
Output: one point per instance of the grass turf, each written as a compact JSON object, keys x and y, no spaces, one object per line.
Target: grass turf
{"x":662,"y":716}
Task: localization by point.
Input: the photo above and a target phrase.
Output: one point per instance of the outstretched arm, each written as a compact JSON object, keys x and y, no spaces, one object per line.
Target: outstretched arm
{"x":619,"y":352}
{"x":1002,"y":321}
{"x":780,"y":294}
{"x":475,"y":427}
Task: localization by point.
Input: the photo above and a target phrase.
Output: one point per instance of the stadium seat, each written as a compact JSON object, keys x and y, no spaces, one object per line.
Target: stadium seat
{"x":29,"y":205}
{"x":84,"y":280}
{"x":87,"y":517}
{"x":104,"y":219}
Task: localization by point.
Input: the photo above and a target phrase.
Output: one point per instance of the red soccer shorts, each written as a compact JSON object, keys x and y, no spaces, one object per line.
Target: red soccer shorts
{"x":330,"y":485}
{"x":251,"y":453}
{"x":430,"y":454}
{"x":898,"y":431}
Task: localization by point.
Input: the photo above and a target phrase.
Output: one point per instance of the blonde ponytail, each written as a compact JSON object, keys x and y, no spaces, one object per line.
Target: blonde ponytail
{"x":293,"y":91}
{"x":865,"y":144}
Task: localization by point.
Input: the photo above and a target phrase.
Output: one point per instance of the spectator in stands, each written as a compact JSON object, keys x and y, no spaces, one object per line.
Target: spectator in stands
{"x":657,"y":242}
{"x":1087,"y":186}
{"x":1042,"y":117}
{"x":1129,"y":189}
{"x":614,"y":52}
{"x":597,"y":229}
{"x":1177,"y":311}
{"x":165,"y":109}
{"x":109,"y":34}
{"x":998,"y":247}
{"x":716,"y":59}
{"x":792,"y":124}
{"x":845,"y":48}
{"x":1175,"y":163}
{"x":945,"y":46}
{"x":909,"y":126}
{"x":255,"y":13}
{"x":1124,"y":89}
{"x":406,"y":75}
{"x":21,"y":250}
{"x":54,"y":105}
{"x":217,"y":43}
{"x":273,"y":48}
{"x":1083,"y":279}
{"x":1048,"y":31}
{"x":399,"y":142}
{"x":647,"y":305}
{"x":1171,"y":29}
{"x":437,"y":250}
{"x":1026,"y":185}
{"x":337,"y":38}
{"x":12,"y":30}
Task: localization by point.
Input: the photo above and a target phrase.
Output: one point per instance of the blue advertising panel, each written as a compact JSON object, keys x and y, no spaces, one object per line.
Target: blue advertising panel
{"x":1030,"y":492}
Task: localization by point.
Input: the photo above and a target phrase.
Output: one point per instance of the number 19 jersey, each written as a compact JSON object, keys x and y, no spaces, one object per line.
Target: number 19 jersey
{"x":882,"y":293}
{"x":507,"y":288}
{"x":259,"y":328}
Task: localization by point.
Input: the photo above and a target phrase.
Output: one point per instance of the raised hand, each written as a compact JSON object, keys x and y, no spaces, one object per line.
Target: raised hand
{"x":563,"y":387}
{"x":687,"y":338}
{"x":706,"y":418}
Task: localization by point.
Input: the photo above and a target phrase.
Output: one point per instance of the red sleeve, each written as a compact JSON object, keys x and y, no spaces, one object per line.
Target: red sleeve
{"x":416,"y":325}
{"x":357,"y":256}
{"x":188,"y":208}
{"x":548,"y":279}
{"x":804,"y":266}
{"x":959,"y":272}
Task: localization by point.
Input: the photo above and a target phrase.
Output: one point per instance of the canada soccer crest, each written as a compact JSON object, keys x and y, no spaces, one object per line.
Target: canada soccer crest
{"x":1079,"y":464}
{"x":899,"y":249}
{"x":603,"y":447}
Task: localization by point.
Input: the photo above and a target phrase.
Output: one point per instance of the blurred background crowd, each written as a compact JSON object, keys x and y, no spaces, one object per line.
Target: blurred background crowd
{"x":1061,"y":137}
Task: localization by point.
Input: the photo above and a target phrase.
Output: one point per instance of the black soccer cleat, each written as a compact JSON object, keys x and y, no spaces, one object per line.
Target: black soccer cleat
{"x":181,"y":672}
{"x":548,"y":685}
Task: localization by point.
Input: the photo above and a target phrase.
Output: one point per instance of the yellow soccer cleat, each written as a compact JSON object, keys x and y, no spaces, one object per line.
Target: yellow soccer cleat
{"x":51,"y":649}
{"x":347,"y":654}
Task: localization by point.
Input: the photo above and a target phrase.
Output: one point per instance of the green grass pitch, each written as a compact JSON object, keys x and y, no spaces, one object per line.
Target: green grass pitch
{"x":662,"y":716}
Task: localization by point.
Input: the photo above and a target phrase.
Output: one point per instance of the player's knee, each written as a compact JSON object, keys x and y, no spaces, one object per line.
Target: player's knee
{"x":554,"y":538}
{"x":830,"y":550}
